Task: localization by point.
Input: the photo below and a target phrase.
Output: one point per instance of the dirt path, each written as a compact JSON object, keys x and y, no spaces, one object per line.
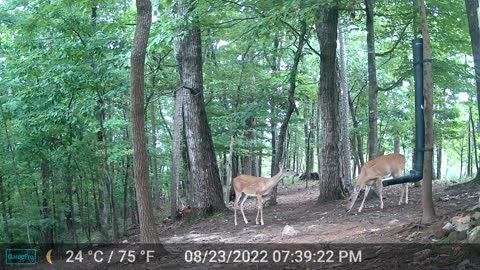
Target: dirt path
{"x":323,"y":223}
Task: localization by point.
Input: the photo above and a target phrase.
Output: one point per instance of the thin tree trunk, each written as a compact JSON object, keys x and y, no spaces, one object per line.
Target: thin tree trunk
{"x":474,"y":140}
{"x":280,"y":155}
{"x":6,"y":226}
{"x":308,"y":129}
{"x":48,"y":230}
{"x":229,"y":168}
{"x":148,"y":232}
{"x":157,"y":191}
{"x":469,"y":151}
{"x":396,"y":144}
{"x":250,"y":159}
{"x":372,"y":80}
{"x":428,"y":213}
{"x":345,"y":146}
{"x":358,"y":136}
{"x":439,"y":159}
{"x":461,"y":159}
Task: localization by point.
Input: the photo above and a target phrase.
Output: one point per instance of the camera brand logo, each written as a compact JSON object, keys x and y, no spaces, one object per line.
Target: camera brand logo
{"x":20,"y":256}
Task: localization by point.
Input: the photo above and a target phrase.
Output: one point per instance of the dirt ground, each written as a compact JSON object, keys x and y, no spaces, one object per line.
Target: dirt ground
{"x":326,"y":222}
{"x":382,"y":239}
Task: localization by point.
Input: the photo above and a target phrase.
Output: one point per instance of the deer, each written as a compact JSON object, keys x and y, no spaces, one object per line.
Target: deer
{"x":372,"y":172}
{"x":256,"y":186}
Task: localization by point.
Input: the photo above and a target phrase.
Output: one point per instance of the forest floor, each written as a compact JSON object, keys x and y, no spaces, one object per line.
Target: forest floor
{"x":315,"y":222}
{"x":391,"y":238}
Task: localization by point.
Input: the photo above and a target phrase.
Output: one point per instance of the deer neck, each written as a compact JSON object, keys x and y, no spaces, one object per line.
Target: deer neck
{"x":271,"y":182}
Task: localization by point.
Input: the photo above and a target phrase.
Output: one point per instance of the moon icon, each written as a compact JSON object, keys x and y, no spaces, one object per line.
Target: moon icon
{"x":49,"y":256}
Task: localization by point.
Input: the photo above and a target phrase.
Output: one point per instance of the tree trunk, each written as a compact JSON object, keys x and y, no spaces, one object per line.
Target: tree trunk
{"x":358,"y":136}
{"x":428,"y":213}
{"x":331,"y":185}
{"x":474,"y":140}
{"x":372,"y":80}
{"x":148,"y":232}
{"x":157,"y":191}
{"x":125,"y":192}
{"x":229,"y":168}
{"x":176,"y":154}
{"x":207,"y":189}
{"x":249,"y":161}
{"x":439,"y":159}
{"x":70,"y":211}
{"x":469,"y":150}
{"x":280,"y":155}
{"x":345,"y":146}
{"x":472,"y":7}
{"x":396,"y":144}
{"x":6,"y":227}
{"x":308,"y":130}
{"x":46,"y":215}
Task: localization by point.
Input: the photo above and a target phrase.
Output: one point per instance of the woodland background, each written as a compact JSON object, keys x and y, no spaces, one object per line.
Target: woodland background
{"x":66,"y":154}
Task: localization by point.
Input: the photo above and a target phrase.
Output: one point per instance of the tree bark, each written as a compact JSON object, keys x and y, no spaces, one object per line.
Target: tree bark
{"x":207,"y":189}
{"x":472,"y":7}
{"x":331,"y":185}
{"x":358,"y":136}
{"x":439,"y":159}
{"x":157,"y":191}
{"x":345,"y":146}
{"x":250,"y":160}
{"x":148,"y":232}
{"x":396,"y":144}
{"x":428,"y":213}
{"x":309,"y":128}
{"x":474,"y":157}
{"x":372,"y":80}
{"x":469,"y":150}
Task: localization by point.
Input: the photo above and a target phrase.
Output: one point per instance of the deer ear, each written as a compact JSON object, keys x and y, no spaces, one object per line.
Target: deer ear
{"x":280,"y":165}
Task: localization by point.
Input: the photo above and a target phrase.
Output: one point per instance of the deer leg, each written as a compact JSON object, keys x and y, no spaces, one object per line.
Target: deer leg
{"x":261,"y":212}
{"x":380,"y":191}
{"x":406,"y":193}
{"x":235,"y":205}
{"x":401,"y":194}
{"x":241,"y":208}
{"x":367,"y":189}
{"x":259,"y":208}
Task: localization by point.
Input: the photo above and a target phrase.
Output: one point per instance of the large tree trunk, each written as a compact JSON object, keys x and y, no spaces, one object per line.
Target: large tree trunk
{"x":176,"y":154}
{"x":372,"y":81}
{"x":472,"y":7}
{"x":207,"y":188}
{"x":428,"y":215}
{"x":148,"y":232}
{"x":331,"y":185}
